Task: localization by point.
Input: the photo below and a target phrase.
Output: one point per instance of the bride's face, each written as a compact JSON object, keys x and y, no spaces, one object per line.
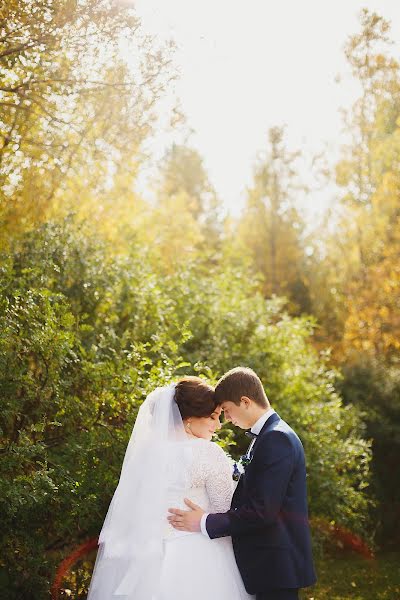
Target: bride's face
{"x":205,"y":427}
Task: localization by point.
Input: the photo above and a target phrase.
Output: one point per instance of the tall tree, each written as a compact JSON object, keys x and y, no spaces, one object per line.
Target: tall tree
{"x":360,"y":255}
{"x":73,"y":101}
{"x":186,"y":220}
{"x":376,"y":72}
{"x":271,"y":227}
{"x":359,"y":275}
{"x":182,"y":172}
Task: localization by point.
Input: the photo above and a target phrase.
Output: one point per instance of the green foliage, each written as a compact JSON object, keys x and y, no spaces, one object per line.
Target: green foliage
{"x":74,"y":369}
{"x":375,"y":387}
{"x":94,"y":316}
{"x":86,"y":334}
{"x":234,"y":326}
{"x":355,"y":284}
{"x":35,"y":350}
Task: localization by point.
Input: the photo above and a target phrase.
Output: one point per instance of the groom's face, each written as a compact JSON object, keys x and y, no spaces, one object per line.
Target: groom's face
{"x":236,"y":413}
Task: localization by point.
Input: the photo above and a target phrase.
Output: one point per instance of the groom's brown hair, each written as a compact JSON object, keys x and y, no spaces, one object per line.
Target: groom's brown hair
{"x":239,"y":382}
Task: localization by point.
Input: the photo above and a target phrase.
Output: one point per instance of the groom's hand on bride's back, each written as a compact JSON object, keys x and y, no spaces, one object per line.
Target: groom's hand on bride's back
{"x":186,"y":520}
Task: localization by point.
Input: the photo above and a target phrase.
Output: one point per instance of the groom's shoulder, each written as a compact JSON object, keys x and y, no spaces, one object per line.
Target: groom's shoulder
{"x":281,"y":427}
{"x":292,"y":435}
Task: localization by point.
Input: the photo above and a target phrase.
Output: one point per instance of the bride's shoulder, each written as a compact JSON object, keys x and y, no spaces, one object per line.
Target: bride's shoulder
{"x":210,"y":449}
{"x":213,"y":449}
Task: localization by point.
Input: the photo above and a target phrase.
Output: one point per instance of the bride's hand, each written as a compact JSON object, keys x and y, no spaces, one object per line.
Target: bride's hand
{"x":186,"y":520}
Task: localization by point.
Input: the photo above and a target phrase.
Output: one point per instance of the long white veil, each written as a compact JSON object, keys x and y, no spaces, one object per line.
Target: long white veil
{"x":128,"y":562}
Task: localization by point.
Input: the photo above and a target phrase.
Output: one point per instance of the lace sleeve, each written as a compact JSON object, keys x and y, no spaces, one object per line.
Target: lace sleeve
{"x":219,"y":481}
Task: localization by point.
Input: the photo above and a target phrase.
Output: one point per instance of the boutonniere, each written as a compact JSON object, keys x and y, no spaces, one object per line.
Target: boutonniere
{"x":237,"y":468}
{"x":237,"y":472}
{"x":245,"y":460}
{"x":240,"y":467}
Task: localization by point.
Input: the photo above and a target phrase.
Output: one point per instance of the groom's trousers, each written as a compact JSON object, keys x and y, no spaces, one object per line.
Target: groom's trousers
{"x":289,"y":594}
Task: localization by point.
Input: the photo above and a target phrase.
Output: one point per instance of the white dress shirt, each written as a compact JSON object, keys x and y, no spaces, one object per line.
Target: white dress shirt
{"x":256,"y":428}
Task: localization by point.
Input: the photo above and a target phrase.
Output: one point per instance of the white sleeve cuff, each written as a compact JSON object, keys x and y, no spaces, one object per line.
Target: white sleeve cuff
{"x":203,"y":524}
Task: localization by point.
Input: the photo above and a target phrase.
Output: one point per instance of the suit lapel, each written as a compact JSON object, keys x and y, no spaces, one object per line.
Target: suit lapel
{"x":270,"y":421}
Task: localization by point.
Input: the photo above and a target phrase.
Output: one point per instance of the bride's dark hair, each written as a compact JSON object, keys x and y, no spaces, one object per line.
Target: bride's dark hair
{"x":194,"y":397}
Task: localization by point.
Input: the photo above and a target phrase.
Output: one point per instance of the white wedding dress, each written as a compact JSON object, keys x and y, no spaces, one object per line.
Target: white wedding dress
{"x":141,"y":556}
{"x":195,"y":567}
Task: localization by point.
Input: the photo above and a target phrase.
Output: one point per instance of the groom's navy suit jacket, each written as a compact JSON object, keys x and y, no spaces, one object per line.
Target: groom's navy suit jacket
{"x":268,"y":519}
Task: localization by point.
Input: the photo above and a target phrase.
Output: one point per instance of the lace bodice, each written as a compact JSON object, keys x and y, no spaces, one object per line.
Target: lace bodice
{"x":212,"y":470}
{"x":207,"y":478}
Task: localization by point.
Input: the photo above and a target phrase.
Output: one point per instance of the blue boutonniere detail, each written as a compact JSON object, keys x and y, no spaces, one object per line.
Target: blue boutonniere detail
{"x":237,"y":468}
{"x":240,"y":467}
{"x":236,"y":473}
{"x":245,"y":460}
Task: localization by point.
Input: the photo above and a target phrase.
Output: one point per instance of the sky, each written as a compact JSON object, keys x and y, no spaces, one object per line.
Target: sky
{"x":248,"y":65}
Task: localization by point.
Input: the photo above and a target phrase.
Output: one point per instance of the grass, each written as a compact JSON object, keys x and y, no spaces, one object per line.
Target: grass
{"x":350,"y":576}
{"x":340,"y":577}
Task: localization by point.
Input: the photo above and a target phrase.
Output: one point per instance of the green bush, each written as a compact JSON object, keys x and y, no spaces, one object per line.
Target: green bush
{"x":374,"y":386}
{"x":86,"y":334}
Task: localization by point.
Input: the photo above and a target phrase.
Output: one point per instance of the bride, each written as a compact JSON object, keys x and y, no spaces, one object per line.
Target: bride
{"x":170,"y":456}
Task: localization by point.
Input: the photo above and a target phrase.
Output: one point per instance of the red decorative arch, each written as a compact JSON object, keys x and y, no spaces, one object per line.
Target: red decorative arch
{"x":68,"y":562}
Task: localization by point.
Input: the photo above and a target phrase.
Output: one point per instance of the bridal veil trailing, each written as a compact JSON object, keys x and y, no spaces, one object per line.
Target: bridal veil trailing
{"x":130,"y":555}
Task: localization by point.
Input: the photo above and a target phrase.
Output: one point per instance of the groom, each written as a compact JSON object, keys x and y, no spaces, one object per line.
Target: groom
{"x":268,"y":519}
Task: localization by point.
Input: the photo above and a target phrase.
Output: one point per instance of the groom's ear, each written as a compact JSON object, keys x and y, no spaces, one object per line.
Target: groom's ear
{"x":246,"y":401}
